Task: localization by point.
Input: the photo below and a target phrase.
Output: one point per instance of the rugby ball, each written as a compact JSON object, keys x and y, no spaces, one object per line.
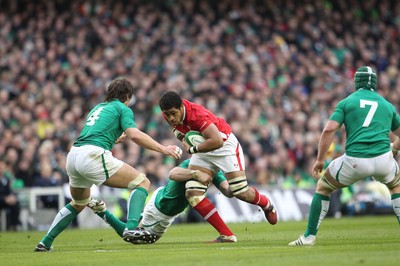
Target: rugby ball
{"x":194,"y":138}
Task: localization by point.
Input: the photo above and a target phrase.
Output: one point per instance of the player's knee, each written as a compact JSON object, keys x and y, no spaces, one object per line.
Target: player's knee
{"x":195,"y":199}
{"x":195,"y":186}
{"x":394,"y":185}
{"x":140,"y":181}
{"x":195,"y":192}
{"x":238,"y":186}
{"x":325,"y":187}
{"x":79,"y":205}
{"x":81,"y":202}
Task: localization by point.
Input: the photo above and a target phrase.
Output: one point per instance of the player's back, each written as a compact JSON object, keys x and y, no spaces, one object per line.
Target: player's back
{"x":368,"y":119}
{"x":103,"y":125}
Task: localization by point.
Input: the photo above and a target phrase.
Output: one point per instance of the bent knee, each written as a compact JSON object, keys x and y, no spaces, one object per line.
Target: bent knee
{"x":140,"y":181}
{"x":79,"y":205}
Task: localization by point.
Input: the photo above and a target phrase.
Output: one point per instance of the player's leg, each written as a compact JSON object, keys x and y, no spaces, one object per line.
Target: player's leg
{"x":98,"y":206}
{"x":230,"y":159}
{"x":240,"y":189}
{"x":388,"y":174}
{"x":81,"y":197}
{"x":129,"y":177}
{"x":80,"y":191}
{"x":137,"y":182}
{"x":395,"y":197}
{"x":320,"y":202}
{"x":195,"y":194}
{"x":318,"y":210}
{"x":153,"y":220}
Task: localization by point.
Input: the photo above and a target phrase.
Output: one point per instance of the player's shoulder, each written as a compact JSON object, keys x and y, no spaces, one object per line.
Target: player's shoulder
{"x":194,"y":111}
{"x":119,"y":106}
{"x":191,"y":105}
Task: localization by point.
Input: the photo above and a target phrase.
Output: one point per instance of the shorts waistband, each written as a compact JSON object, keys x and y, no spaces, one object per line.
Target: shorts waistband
{"x":85,"y":147}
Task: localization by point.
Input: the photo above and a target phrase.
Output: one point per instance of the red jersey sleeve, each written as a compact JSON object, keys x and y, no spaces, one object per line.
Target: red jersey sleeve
{"x":198,"y":118}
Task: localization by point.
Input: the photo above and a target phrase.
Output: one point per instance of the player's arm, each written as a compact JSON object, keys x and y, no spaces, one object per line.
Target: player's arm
{"x":224,"y":188}
{"x":121,"y":138}
{"x":147,"y":142}
{"x":213,"y":140}
{"x":222,"y":184}
{"x":180,"y":174}
{"x":325,"y":141}
{"x":396,"y":143}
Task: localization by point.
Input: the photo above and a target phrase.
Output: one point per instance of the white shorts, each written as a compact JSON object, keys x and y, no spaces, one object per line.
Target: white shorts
{"x":153,"y":220}
{"x":348,"y":170}
{"x":229,"y":158}
{"x":88,"y":165}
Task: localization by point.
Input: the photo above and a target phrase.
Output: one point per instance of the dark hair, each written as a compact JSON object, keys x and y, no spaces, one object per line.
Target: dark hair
{"x":120,"y":89}
{"x":170,"y":99}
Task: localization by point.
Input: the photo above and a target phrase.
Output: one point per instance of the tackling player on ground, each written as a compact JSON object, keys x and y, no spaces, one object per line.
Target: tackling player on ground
{"x":368,"y":119}
{"x":168,"y":202}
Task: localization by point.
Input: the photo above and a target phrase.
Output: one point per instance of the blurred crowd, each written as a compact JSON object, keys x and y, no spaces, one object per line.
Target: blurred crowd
{"x":273,"y":69}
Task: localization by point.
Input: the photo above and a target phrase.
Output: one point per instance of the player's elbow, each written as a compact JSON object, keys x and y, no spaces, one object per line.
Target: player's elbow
{"x":133,"y":134}
{"x":173,"y":175}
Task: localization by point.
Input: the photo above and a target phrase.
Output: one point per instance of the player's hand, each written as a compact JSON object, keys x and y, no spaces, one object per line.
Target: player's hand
{"x":185,"y":146}
{"x":203,"y":178}
{"x":174,"y":151}
{"x":121,"y":138}
{"x":317,"y":168}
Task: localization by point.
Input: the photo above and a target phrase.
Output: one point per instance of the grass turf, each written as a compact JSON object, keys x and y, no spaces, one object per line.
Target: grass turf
{"x":348,"y":241}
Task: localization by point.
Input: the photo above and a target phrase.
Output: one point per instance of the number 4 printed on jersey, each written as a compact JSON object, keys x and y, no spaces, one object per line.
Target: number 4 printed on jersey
{"x":93,"y":117}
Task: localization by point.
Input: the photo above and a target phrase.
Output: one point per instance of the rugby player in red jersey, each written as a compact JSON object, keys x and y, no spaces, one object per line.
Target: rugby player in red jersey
{"x":220,"y":151}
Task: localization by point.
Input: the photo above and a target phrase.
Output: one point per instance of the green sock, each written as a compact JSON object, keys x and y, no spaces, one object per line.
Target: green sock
{"x":396,"y":205}
{"x":63,"y":218}
{"x":135,"y":207}
{"x":113,"y":221}
{"x":318,"y":209}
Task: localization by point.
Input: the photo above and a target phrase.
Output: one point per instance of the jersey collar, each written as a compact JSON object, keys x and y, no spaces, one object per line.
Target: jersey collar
{"x":184,"y":115}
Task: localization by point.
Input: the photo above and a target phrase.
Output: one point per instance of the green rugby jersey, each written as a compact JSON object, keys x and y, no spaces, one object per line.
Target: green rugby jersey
{"x":105,"y":123}
{"x":368,"y":119}
{"x":170,"y":200}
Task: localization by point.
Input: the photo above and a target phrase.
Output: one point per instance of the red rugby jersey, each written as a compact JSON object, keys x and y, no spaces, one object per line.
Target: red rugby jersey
{"x":198,"y":118}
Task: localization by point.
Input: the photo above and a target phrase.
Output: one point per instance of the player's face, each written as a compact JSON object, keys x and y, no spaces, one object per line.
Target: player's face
{"x":174,"y":116}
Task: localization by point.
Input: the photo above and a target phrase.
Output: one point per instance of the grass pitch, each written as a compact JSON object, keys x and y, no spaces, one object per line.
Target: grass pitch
{"x":347,"y":241}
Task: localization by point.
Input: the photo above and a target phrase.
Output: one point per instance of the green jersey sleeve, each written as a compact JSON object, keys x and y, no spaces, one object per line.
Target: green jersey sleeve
{"x":127,"y":118}
{"x":338,"y":113}
{"x":395,"y":120}
{"x":218,"y":179}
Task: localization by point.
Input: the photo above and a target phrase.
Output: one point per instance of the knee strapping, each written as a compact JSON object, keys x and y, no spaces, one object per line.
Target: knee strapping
{"x":194,"y":200}
{"x":195,"y":185}
{"x":81,"y":202}
{"x":238,"y":185}
{"x":326,"y":183}
{"x":135,"y":182}
{"x":394,"y":183}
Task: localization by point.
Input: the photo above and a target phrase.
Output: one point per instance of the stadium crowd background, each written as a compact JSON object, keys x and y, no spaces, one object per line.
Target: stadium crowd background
{"x":273,"y":69}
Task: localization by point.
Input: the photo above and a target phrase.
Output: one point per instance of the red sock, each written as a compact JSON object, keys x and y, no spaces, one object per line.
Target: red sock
{"x":260,"y":200}
{"x":208,"y":211}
